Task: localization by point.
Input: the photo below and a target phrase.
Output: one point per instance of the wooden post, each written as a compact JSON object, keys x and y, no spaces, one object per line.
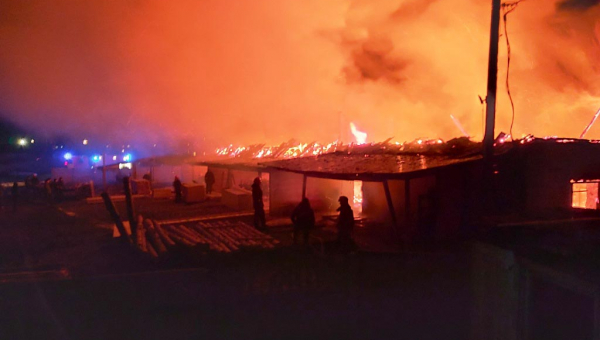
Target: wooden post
{"x":490,"y":112}
{"x":388,"y":197}
{"x":104,"y":172}
{"x":129,"y":203}
{"x":407,"y":205}
{"x":304,"y":187}
{"x":92,"y":191}
{"x":110,"y":206}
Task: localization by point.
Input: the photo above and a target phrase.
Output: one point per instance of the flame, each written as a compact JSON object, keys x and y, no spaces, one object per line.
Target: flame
{"x":361,"y":137}
{"x":285,"y":150}
{"x":358,"y":196}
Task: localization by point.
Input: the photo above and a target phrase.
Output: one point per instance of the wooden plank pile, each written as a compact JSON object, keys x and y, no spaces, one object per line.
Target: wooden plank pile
{"x":216,"y":236}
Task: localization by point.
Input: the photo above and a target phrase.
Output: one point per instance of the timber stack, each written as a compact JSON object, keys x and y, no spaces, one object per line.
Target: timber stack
{"x":216,"y":236}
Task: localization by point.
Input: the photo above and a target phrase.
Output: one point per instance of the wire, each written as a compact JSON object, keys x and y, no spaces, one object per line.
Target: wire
{"x":507,"y":8}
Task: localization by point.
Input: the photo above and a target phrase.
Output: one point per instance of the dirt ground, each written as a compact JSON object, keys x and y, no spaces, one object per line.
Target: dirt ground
{"x":63,"y":276}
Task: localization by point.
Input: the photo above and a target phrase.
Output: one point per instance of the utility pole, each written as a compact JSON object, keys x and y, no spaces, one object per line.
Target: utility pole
{"x":490,"y":115}
{"x":490,"y":99}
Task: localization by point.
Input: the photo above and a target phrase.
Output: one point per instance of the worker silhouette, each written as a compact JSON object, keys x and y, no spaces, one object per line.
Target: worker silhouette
{"x":177,"y":188}
{"x":209,"y":179}
{"x":260,"y":221}
{"x":15,"y":195}
{"x":303,"y":218}
{"x":345,"y":224}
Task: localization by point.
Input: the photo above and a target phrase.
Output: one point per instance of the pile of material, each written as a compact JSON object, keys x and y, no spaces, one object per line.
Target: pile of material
{"x":218,"y":236}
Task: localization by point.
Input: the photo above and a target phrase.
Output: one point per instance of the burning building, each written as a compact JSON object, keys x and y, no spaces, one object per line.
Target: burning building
{"x":434,"y":189}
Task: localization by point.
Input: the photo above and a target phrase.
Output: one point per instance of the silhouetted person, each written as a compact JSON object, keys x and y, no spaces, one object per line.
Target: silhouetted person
{"x":54,"y":186}
{"x":209,"y":179}
{"x":60,"y":188}
{"x":35,"y":185}
{"x":35,"y":180}
{"x":48,"y":190}
{"x":260,"y":221}
{"x":303,"y":218}
{"x":177,"y":188}
{"x":15,"y":195}
{"x":345,"y":224}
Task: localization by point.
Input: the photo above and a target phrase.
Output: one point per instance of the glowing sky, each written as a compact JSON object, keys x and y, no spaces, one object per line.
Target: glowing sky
{"x":224,"y":71}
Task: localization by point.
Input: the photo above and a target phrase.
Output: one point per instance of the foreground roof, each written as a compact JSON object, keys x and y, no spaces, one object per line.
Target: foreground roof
{"x":376,"y":162}
{"x":368,"y":166}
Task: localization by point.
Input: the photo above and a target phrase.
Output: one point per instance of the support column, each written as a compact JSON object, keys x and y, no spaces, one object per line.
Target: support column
{"x":129,"y":204}
{"x":407,"y":217}
{"x":388,"y":197}
{"x":304,"y":186}
{"x":104,"y":172}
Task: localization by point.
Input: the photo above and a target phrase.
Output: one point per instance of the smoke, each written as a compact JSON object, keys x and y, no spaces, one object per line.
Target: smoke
{"x":577,"y":4}
{"x":219,"y":72}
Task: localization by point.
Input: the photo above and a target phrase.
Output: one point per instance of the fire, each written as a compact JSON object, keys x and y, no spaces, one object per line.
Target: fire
{"x":358,"y":196}
{"x":285,"y":150}
{"x":360,"y":136}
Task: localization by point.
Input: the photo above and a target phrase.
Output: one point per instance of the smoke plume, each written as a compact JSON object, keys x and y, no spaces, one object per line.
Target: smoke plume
{"x":219,"y":72}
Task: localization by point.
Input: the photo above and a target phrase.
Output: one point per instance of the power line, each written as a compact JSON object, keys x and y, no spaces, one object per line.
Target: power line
{"x":508,"y":7}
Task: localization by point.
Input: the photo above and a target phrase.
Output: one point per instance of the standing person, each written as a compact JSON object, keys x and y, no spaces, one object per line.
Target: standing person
{"x":209,"y":179}
{"x":177,"y":188}
{"x":303,"y":218}
{"x":345,"y":224}
{"x":260,"y":221}
{"x":15,"y":194}
{"x":54,"y":186}
{"x":60,"y":188}
{"x":35,"y":185}
{"x":48,"y":190}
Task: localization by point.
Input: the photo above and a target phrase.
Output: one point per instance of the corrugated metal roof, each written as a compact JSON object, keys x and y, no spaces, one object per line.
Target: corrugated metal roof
{"x":367,"y":167}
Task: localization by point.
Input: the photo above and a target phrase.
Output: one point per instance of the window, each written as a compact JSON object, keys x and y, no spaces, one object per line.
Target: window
{"x":585,"y":194}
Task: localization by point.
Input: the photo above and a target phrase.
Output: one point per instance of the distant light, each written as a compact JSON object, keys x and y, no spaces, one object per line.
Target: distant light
{"x":32,"y":141}
{"x":66,"y":163}
{"x":85,"y":142}
{"x":22,"y":142}
{"x":127,"y":158}
{"x":96,"y":158}
{"x":68,"y":156}
{"x":124,"y":166}
{"x":114,"y":158}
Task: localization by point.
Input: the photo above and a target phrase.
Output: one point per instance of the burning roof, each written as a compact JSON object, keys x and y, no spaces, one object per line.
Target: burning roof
{"x":365,"y":162}
{"x":376,"y":160}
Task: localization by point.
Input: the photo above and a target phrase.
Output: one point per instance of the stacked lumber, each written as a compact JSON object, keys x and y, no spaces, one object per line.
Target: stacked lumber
{"x":220,"y":236}
{"x":157,"y":240}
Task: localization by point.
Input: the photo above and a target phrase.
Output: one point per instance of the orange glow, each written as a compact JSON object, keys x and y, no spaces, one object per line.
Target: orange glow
{"x":263,"y":71}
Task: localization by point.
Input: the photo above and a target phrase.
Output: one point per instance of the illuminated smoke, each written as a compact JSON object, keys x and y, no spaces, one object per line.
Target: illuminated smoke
{"x":220,"y":72}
